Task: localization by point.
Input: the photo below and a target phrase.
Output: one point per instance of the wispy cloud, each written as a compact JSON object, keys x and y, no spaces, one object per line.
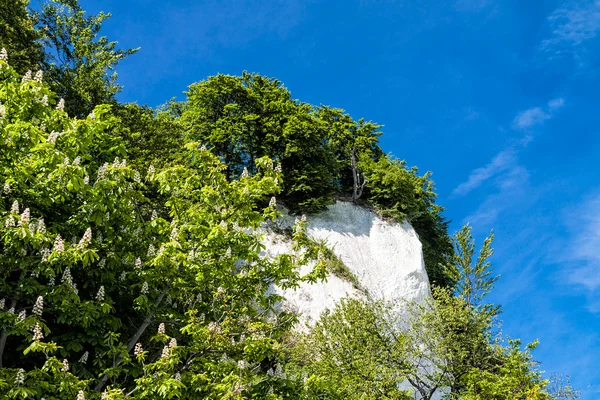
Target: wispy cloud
{"x":536,"y":115}
{"x":571,"y":25}
{"x":512,"y":189}
{"x":500,"y":163}
{"x":505,"y":162}
{"x":583,"y":249}
{"x":530,"y":117}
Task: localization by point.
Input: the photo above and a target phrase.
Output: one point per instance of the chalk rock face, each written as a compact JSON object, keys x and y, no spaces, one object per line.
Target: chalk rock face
{"x":386,"y":258}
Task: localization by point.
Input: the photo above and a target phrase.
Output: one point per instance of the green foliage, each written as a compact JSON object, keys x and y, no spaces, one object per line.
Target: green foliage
{"x":472,"y":281}
{"x":354,"y":352}
{"x":243,"y":118}
{"x":19,"y":36}
{"x":185,"y":264}
{"x":151,"y":136}
{"x":77,"y":61}
{"x":516,"y":377}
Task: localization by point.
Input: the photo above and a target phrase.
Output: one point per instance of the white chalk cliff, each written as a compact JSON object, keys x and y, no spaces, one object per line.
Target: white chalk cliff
{"x":385,"y":256}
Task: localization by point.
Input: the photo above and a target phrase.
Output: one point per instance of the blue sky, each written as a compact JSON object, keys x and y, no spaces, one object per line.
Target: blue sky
{"x":498,"y":99}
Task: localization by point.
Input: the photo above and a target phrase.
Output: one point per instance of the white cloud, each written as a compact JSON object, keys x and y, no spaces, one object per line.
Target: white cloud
{"x":513,"y":190}
{"x":583,"y":249}
{"x":530,"y":117}
{"x":536,"y":115}
{"x":555,"y":104}
{"x":501,"y":162}
{"x":572,"y":25}
{"x":506,"y":160}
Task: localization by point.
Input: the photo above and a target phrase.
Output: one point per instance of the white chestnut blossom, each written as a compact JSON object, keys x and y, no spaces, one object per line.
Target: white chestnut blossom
{"x":2,"y":303}
{"x":3,"y":55}
{"x":24,"y":220}
{"x":137,"y":177}
{"x":37,"y":332}
{"x":138,"y":263}
{"x":65,"y":367}
{"x":44,"y":100}
{"x":6,"y":188}
{"x":102,"y":171}
{"x":245,"y":173}
{"x":100,"y":294}
{"x":272,"y":202}
{"x":102,"y":263}
{"x":15,"y":207}
{"x":154,"y":215}
{"x":2,"y":110}
{"x":84,"y":357}
{"x":174,"y":233}
{"x":165,"y":352}
{"x":145,"y":288}
{"x":172,"y":343}
{"x":41,"y":226}
{"x":151,"y":250}
{"x":80,"y":395}
{"x":59,"y":245}
{"x":20,"y":378}
{"x":10,"y":222}
{"x":86,"y":180}
{"x":66,"y":277}
{"x":53,"y":136}
{"x":61,"y":105}
{"x":39,"y":76}
{"x":161,"y":328}
{"x":45,"y":253}
{"x":77,"y":161}
{"x":38,"y":307}
{"x":86,"y":239}
{"x":22,"y":315}
{"x":138,"y":349}
{"x":26,"y":77}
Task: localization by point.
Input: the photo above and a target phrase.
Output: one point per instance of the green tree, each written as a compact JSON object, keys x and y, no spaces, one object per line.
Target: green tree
{"x":355,"y":352}
{"x":352,"y":141}
{"x":251,"y":116}
{"x":77,"y":62}
{"x":473,"y":280}
{"x":19,"y":36}
{"x":103,"y":287}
